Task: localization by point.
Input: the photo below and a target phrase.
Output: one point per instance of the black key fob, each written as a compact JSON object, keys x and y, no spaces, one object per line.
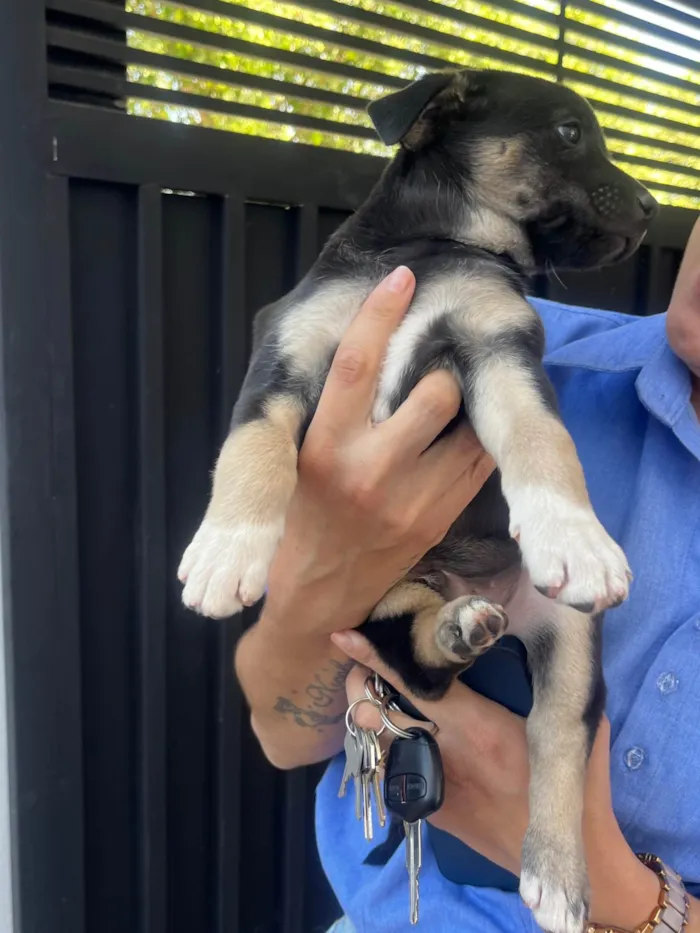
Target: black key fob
{"x":414,"y":784}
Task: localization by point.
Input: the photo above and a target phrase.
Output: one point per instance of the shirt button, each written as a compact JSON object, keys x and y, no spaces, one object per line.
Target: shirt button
{"x":697,"y":624}
{"x":667,"y":682}
{"x":634,"y":758}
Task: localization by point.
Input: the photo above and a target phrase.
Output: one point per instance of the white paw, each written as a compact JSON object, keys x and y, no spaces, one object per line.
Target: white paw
{"x":555,"y":908}
{"x":567,"y":552}
{"x":226,"y":567}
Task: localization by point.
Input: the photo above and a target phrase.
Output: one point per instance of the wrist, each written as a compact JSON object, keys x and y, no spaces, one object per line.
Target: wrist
{"x":623,"y":890}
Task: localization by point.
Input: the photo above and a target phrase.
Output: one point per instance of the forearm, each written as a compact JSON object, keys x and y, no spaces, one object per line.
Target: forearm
{"x":294,"y":683}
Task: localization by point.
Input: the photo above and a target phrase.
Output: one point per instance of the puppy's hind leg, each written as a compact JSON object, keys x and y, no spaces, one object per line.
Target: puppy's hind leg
{"x":569,"y":696}
{"x":226,"y":565}
{"x":426,"y":640}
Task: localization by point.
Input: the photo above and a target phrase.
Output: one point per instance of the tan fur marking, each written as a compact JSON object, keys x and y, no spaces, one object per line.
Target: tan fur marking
{"x":504,"y":176}
{"x":529,"y":444}
{"x":557,"y":734}
{"x":491,"y":308}
{"x":425,"y":604}
{"x":260,"y":457}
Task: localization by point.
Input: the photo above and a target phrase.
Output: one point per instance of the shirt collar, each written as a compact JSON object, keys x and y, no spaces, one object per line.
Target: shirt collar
{"x":663,"y":387}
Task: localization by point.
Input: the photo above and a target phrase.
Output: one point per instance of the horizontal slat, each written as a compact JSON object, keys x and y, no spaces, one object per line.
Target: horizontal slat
{"x":585,"y":77}
{"x":642,"y":117}
{"x":427,"y":7}
{"x":133,"y":151}
{"x":679,"y":16}
{"x":639,"y":48}
{"x":664,"y":144}
{"x":611,"y":61}
{"x":661,"y":166}
{"x":70,"y":76}
{"x":118,"y":51}
{"x":618,"y":64}
{"x":672,"y":189}
{"x":390,"y":25}
{"x":180,"y":32}
{"x":114,"y":16}
{"x":627,"y":19}
{"x":510,"y":6}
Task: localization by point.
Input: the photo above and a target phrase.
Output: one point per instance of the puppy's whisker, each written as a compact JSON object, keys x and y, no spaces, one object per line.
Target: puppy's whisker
{"x":552,"y":273}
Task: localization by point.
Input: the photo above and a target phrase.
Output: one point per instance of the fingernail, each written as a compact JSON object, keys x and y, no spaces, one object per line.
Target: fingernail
{"x":398,"y":280}
{"x":346,"y":641}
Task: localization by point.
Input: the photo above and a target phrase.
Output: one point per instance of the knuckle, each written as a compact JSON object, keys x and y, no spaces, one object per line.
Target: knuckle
{"x":440,"y":400}
{"x":398,"y":522}
{"x":362,"y":492}
{"x":350,"y":364}
{"x":318,"y":460}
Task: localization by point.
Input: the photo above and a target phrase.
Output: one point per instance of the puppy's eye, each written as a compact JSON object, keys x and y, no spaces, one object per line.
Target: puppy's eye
{"x":570,"y":133}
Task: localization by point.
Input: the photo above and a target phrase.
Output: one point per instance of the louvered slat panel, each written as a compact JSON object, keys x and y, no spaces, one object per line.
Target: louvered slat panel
{"x":304,"y":70}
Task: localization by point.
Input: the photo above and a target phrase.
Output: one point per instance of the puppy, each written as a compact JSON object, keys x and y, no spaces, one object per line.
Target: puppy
{"x":497,"y":176}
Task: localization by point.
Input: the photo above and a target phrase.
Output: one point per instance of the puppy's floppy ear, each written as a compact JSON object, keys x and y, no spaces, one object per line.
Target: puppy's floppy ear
{"x":397,"y":115}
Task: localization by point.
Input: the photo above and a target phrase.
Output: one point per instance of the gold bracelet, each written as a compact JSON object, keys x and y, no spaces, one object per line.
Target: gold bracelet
{"x":671,"y":912}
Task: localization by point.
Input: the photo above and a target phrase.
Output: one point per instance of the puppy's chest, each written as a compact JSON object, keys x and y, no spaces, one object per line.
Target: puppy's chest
{"x":311,"y":332}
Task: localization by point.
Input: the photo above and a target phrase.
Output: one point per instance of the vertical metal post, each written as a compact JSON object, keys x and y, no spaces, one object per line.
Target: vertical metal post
{"x":561,"y":40}
{"x":39,"y":601}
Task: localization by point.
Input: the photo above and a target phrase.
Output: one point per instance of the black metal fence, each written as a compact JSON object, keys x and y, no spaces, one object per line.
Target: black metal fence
{"x":133,"y":256}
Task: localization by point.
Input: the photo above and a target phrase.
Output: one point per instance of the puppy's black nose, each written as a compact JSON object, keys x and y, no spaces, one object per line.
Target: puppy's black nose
{"x":648,"y":204}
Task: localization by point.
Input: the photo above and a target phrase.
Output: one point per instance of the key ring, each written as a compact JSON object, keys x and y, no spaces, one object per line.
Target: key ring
{"x":373,"y":696}
{"x":348,"y":713}
{"x":397,"y":730}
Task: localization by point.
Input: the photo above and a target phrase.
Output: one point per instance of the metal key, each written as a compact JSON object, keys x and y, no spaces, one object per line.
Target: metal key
{"x":366,"y":778}
{"x":353,"y":769}
{"x":414,"y":789}
{"x":377,"y":761}
{"x":371,"y":788}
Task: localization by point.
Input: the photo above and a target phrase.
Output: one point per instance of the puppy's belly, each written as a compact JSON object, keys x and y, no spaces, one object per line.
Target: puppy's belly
{"x":527,"y":609}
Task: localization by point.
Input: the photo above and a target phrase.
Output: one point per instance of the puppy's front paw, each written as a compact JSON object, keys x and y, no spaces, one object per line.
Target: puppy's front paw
{"x":567,"y":552}
{"x":554,"y":885}
{"x":468,"y":626}
{"x":226,"y":566}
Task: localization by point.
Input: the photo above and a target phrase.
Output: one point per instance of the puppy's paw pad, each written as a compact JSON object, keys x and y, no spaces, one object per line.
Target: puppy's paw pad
{"x":226,"y":567}
{"x":469,"y":626}
{"x":568,"y":553}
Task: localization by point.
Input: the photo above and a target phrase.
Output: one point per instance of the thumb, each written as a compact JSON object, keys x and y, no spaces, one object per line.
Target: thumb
{"x":357,"y":647}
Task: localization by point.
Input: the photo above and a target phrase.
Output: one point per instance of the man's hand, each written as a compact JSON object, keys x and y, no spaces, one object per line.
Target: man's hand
{"x":370,"y":501}
{"x":484,"y":751}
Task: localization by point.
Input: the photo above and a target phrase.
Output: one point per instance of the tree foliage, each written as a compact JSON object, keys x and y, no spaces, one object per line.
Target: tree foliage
{"x":538,"y":57}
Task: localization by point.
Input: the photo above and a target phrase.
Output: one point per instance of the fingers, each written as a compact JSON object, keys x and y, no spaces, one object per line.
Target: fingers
{"x":457,"y":457}
{"x":428,"y":409}
{"x":348,"y":394}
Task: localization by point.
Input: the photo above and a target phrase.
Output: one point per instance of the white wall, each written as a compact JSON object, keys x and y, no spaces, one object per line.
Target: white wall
{"x":5,"y":866}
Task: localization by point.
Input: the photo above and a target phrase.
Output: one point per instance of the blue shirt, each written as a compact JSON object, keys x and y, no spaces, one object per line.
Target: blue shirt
{"x":625,"y":398}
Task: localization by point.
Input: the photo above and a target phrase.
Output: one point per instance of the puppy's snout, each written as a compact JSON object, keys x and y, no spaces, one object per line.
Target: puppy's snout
{"x":648,"y":204}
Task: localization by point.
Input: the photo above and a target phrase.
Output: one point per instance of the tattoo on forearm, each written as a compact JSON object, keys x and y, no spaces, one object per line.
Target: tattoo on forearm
{"x":322,"y":692}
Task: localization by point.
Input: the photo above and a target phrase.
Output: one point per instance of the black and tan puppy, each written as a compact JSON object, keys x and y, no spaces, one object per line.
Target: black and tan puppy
{"x":497,"y":175}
